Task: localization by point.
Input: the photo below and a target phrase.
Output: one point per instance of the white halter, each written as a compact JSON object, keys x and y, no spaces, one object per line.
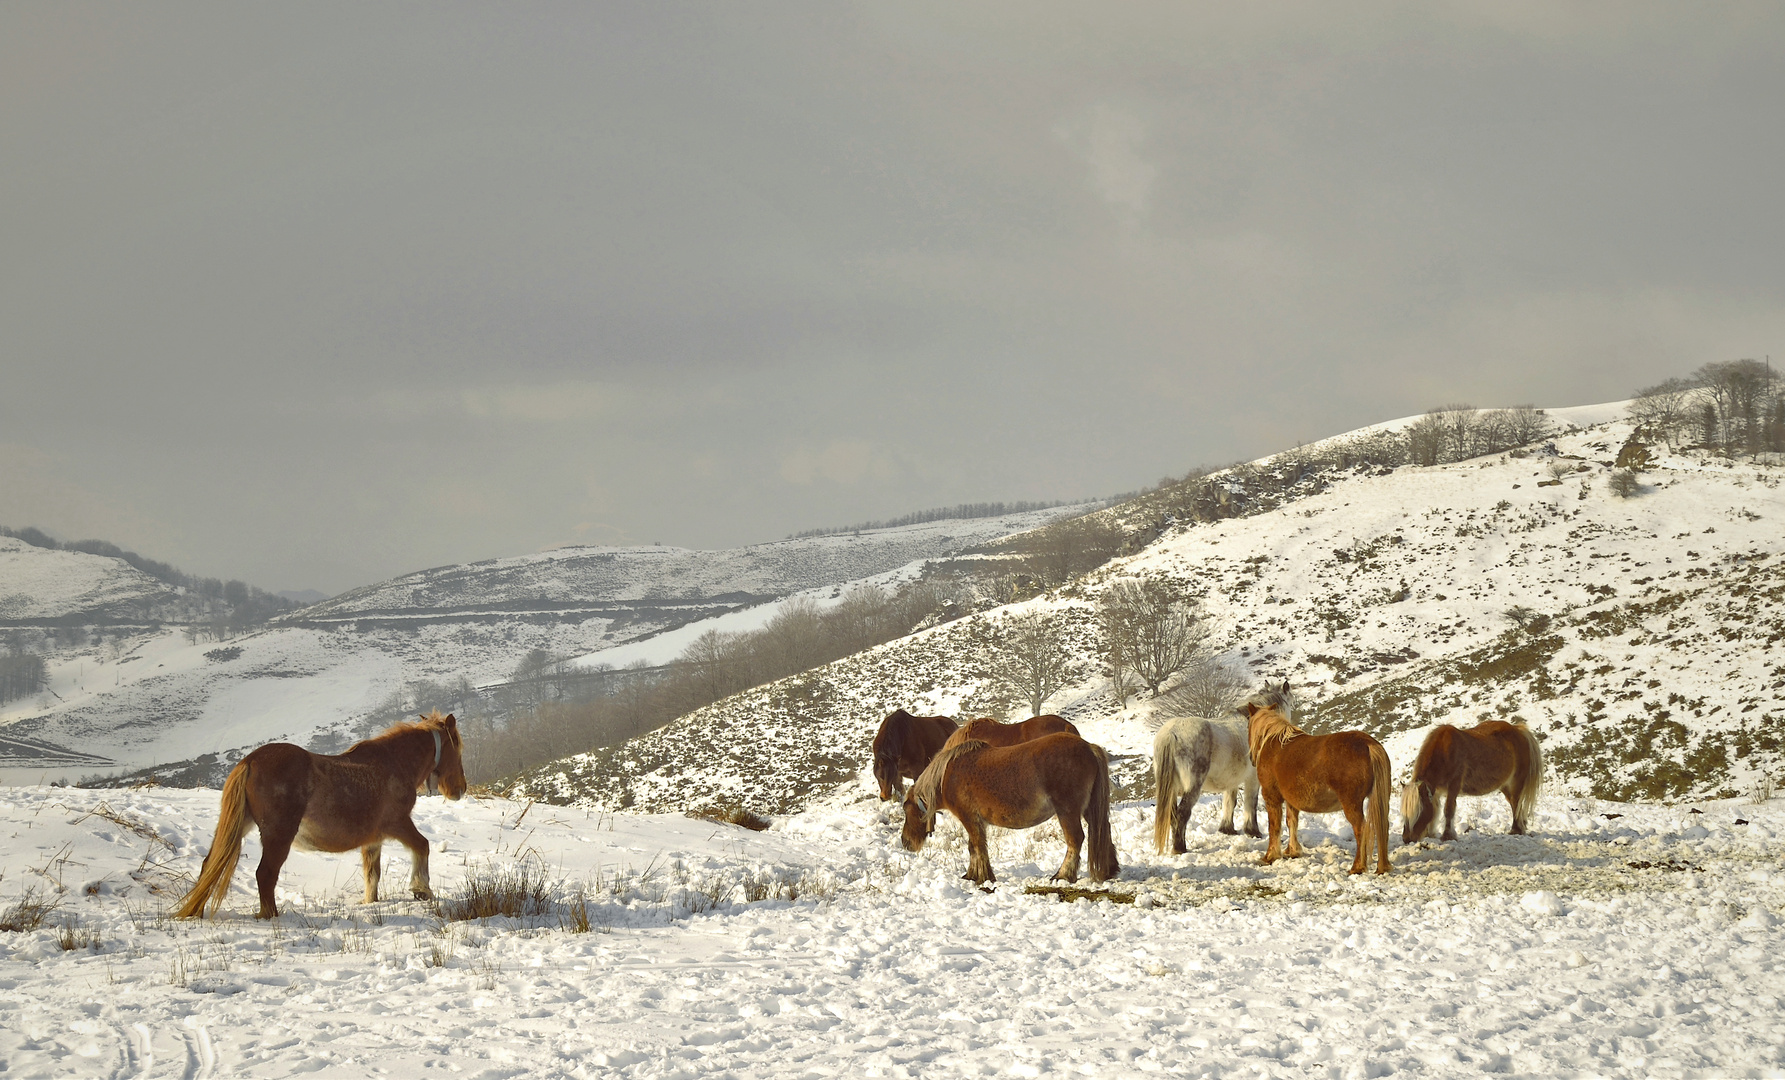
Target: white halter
{"x":435,"y":774}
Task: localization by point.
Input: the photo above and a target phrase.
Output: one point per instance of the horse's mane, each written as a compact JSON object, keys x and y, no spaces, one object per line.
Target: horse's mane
{"x":928,"y":784}
{"x":433,"y":721}
{"x":1269,"y":713}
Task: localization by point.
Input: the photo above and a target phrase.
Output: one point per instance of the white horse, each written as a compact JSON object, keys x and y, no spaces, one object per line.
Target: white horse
{"x":1190,"y":753}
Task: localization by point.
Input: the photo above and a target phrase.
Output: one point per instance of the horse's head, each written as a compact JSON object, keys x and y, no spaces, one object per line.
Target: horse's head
{"x":1419,"y":812}
{"x":920,"y":818}
{"x":886,"y":773}
{"x":449,"y":762}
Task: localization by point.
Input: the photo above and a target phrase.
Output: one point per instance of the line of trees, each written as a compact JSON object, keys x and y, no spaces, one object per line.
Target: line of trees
{"x":1460,"y":432}
{"x":21,"y":675}
{"x":1730,"y":406}
{"x":629,"y":702}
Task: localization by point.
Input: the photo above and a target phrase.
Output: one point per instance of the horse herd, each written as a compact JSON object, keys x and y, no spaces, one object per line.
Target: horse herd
{"x":1017,"y":776}
{"x":1014,"y":776}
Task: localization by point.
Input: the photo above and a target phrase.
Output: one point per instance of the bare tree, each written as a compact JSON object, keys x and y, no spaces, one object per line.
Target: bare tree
{"x":1031,"y":660}
{"x":1664,"y":411}
{"x":1623,"y":483}
{"x":1738,"y":390}
{"x":1148,"y":630}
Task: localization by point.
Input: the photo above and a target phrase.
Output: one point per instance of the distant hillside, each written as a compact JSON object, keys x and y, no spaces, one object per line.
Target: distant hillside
{"x":182,"y":702}
{"x":1646,"y":648}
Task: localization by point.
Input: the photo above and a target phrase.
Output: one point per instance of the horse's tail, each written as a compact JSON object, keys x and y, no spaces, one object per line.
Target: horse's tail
{"x":233,"y":823}
{"x":1381,"y":780}
{"x":1097,"y":831}
{"x":1527,"y":799}
{"x":1166,"y":787}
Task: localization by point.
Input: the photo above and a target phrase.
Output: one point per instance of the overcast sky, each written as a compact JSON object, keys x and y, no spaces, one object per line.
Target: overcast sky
{"x":313,"y":296}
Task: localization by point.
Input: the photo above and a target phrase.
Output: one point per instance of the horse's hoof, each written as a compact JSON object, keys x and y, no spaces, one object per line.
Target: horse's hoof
{"x":423,"y":894}
{"x":1255,"y":834}
{"x":1181,"y":849}
{"x":1229,"y":830}
{"x":265,"y":914}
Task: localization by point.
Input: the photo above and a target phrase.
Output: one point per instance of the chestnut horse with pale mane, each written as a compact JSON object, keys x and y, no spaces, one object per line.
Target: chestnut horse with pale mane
{"x":1018,"y":787}
{"x":998,"y":733}
{"x":1317,"y":774}
{"x":1491,"y":756}
{"x":330,"y":802}
{"x":903,"y":746}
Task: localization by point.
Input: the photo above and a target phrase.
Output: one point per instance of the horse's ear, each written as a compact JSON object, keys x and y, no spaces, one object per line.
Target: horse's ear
{"x":452,"y":723}
{"x":1248,"y":708}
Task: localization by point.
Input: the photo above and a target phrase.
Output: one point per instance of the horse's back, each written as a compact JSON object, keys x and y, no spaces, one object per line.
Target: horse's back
{"x":1215,"y":747}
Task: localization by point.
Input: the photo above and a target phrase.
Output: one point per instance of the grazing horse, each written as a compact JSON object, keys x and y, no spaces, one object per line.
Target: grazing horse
{"x":1188,"y":753}
{"x":1018,"y":787}
{"x":998,"y":733}
{"x":903,"y":746}
{"x":1491,"y":756}
{"x":330,"y":802}
{"x":1317,"y":774}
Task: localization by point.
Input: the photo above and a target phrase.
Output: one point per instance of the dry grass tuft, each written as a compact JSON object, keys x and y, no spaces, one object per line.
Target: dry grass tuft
{"x":515,"y":890}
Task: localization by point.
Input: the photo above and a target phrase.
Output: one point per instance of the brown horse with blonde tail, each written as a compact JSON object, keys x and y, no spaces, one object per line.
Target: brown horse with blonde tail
{"x":1317,"y":774}
{"x":330,"y":802}
{"x":998,"y":733}
{"x":1491,"y":756}
{"x":904,"y":746}
{"x":1018,"y":787}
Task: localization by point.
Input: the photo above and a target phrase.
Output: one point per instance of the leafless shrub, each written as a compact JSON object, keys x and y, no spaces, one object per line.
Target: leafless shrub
{"x":1206,"y":687}
{"x":1623,"y":483}
{"x":71,"y":936}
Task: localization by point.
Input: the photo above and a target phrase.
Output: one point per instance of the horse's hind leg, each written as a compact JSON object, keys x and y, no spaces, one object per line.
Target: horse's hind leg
{"x":1181,"y":813}
{"x":1075,"y":842}
{"x":409,"y":836}
{"x":371,"y":864}
{"x":1360,"y":831}
{"x":1512,"y":791}
{"x":275,"y":846}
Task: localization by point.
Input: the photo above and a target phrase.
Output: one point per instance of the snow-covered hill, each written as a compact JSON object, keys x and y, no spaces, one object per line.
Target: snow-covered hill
{"x":1652,"y":667}
{"x":43,"y":585}
{"x":135,"y":699}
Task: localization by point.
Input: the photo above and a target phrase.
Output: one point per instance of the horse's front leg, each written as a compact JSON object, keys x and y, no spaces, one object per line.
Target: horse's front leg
{"x":1074,"y":831}
{"x":1273,"y":811}
{"x":1230,"y":800}
{"x":1294,"y":849}
{"x":371,"y":864}
{"x":1450,"y":813}
{"x":410,"y":837}
{"x":979,"y":861}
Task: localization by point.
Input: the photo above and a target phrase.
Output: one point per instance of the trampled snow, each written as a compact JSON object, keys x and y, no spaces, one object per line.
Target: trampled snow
{"x":1618,"y":940}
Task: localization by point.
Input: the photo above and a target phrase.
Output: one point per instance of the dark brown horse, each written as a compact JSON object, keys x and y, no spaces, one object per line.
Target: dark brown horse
{"x":903,"y":746}
{"x":1018,"y":787}
{"x":1317,"y":774}
{"x":998,"y":733}
{"x":330,"y":802}
{"x":1491,"y":756}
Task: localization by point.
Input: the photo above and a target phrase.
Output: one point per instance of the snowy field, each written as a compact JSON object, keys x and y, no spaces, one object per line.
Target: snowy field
{"x":1618,"y":940}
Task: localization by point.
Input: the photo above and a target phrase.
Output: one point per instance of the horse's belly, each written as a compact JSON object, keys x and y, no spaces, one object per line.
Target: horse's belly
{"x":312,"y":836}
